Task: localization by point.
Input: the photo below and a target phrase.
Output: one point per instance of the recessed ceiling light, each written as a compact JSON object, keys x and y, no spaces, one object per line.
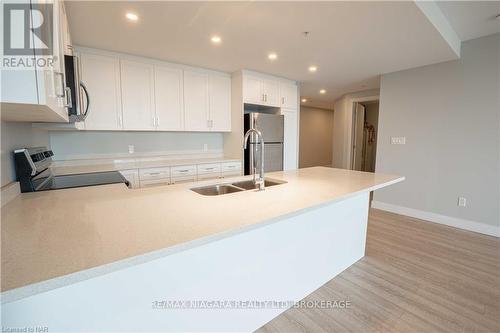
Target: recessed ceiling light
{"x":322,"y":91}
{"x":216,"y":39}
{"x":272,"y":56}
{"x":132,"y":17}
{"x":313,"y":69}
{"x":303,"y":100}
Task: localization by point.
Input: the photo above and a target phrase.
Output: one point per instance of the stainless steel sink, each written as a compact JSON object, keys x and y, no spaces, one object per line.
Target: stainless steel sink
{"x":217,"y":189}
{"x":245,"y":185}
{"x":249,"y":185}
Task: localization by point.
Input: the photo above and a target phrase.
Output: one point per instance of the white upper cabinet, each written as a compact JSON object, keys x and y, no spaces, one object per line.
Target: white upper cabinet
{"x":288,"y":95}
{"x":137,"y":90}
{"x":270,"y":89}
{"x":101,"y":74}
{"x":220,"y":103}
{"x":37,"y":93}
{"x":260,"y":90}
{"x":169,"y":98}
{"x":252,"y":90}
{"x":196,"y":102}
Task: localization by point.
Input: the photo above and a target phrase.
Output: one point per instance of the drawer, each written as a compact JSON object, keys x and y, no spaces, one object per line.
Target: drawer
{"x":154,"y":182}
{"x":209,"y":168}
{"x":183,"y":179}
{"x":154,"y":173}
{"x":231,"y":167}
{"x":183,"y":171}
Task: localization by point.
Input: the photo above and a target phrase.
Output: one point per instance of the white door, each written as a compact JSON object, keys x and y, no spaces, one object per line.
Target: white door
{"x":288,"y":96}
{"x":220,"y":103}
{"x":252,"y":90}
{"x":196,"y":101}
{"x":101,"y":75}
{"x":168,"y":98}
{"x":137,"y":83}
{"x":290,"y":151}
{"x":357,"y":147}
{"x":271,"y":92}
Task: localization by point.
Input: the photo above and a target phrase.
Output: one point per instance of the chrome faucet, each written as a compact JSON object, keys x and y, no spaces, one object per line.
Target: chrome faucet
{"x":260,"y":181}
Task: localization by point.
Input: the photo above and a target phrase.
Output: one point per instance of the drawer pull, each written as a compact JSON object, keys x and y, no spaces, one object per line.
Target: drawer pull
{"x":154,"y":173}
{"x":183,"y":170}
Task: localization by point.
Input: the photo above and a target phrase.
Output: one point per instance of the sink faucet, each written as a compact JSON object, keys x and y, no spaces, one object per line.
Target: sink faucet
{"x":260,"y":181}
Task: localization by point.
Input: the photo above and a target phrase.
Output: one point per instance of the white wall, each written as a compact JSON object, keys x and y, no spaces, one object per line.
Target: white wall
{"x":449,"y":114}
{"x":87,"y":144}
{"x":15,"y":136}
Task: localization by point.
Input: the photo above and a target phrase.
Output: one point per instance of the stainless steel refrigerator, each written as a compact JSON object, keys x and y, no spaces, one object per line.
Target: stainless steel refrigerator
{"x":271,"y":127}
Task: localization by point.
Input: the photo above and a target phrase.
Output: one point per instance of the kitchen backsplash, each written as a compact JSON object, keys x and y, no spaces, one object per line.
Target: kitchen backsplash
{"x":108,"y":144}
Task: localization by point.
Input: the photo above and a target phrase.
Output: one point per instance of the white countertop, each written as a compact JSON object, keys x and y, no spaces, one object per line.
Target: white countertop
{"x":53,"y":238}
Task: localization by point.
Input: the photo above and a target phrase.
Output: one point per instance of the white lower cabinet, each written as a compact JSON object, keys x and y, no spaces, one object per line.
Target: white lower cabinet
{"x":183,"y":173}
{"x":231,"y":169}
{"x":132,"y":176}
{"x":154,"y":176}
{"x":209,"y":171}
{"x":290,"y":135}
{"x":147,"y":177}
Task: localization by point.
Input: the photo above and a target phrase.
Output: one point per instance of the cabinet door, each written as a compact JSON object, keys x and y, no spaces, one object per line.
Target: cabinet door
{"x":101,"y":74}
{"x":288,"y":96}
{"x":290,"y":152}
{"x":50,"y":80}
{"x":196,"y":101}
{"x":168,"y":98}
{"x":220,"y":103}
{"x":252,"y":90}
{"x":137,"y":83}
{"x":271,"y":92}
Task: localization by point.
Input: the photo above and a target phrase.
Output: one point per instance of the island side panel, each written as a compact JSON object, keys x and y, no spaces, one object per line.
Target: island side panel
{"x":283,"y":261}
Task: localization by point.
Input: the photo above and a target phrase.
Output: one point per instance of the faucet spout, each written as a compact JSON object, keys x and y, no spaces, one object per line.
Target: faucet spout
{"x":260,"y":181}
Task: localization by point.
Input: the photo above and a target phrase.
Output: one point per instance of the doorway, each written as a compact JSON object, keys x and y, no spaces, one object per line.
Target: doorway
{"x":364,"y":135}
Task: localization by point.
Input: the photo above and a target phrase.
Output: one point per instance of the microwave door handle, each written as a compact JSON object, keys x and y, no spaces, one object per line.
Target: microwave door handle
{"x":87,"y":97}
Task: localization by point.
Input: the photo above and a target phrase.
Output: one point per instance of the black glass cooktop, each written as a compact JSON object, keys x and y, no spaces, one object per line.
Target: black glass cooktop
{"x":83,"y":179}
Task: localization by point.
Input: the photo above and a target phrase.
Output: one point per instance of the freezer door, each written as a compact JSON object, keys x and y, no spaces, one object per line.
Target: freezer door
{"x":270,"y":125}
{"x":273,"y":157}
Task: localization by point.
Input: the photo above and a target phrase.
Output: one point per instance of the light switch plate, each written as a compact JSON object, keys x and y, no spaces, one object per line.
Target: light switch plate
{"x":205,"y":147}
{"x":398,"y":140}
{"x":462,"y":202}
{"x":131,"y":149}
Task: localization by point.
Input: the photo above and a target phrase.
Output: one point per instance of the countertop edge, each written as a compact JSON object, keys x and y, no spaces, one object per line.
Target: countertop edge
{"x":19,"y":293}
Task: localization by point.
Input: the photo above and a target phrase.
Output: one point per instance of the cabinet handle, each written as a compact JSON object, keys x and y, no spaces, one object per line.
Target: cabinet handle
{"x":282,"y":100}
{"x":68,"y":101}
{"x":263,"y":98}
{"x":120,"y":122}
{"x":157,"y":121}
{"x":183,"y":170}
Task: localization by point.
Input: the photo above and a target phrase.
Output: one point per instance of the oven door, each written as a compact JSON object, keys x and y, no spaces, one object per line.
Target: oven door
{"x":78,"y":95}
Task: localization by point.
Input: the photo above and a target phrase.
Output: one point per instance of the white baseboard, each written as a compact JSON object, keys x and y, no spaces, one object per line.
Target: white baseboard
{"x":474,"y":226}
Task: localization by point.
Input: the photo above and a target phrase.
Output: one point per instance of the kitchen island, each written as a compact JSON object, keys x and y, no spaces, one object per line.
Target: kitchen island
{"x":123,"y":256}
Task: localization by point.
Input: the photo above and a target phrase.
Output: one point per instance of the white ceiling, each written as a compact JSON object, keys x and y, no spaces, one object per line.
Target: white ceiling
{"x":352,"y":43}
{"x":472,"y":19}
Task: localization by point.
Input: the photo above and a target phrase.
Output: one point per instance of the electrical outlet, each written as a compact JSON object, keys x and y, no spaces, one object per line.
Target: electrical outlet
{"x":131,"y":149}
{"x":462,"y":202}
{"x":398,"y":140}
{"x":205,"y":147}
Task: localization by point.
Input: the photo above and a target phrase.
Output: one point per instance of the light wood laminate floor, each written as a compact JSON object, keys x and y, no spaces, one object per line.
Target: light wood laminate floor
{"x":416,"y":276}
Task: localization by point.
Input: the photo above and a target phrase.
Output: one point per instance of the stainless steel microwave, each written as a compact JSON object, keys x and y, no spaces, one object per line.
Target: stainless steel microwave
{"x":79,"y":98}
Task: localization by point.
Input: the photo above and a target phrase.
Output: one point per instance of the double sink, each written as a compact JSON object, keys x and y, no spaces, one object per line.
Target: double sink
{"x":245,"y":185}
